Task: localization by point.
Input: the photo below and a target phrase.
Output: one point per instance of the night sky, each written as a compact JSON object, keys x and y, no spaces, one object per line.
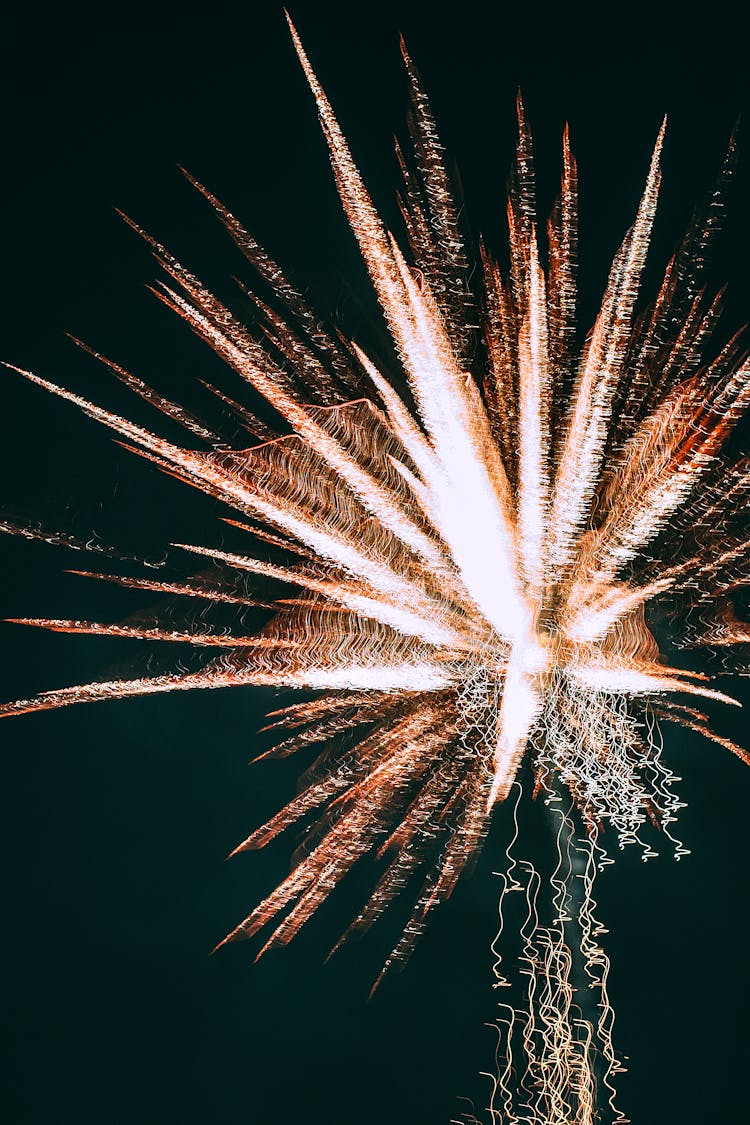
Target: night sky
{"x":117,"y":817}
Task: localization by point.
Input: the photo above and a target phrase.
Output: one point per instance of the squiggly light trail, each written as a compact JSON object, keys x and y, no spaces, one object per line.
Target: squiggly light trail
{"x":553,"y":1057}
{"x":475,"y":531}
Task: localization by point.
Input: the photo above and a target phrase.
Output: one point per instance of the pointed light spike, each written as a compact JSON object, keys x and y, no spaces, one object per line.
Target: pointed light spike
{"x":461,"y":599}
{"x":581,"y":457}
{"x":534,"y":409}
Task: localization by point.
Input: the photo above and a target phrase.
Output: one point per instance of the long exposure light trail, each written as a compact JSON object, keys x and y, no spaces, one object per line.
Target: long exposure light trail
{"x":459,"y":549}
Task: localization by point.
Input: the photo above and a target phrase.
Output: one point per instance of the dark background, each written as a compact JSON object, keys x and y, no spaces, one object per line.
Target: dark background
{"x":117,"y":817}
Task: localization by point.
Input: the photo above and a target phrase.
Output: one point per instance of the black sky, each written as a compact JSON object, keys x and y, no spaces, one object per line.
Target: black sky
{"x":117,"y":817}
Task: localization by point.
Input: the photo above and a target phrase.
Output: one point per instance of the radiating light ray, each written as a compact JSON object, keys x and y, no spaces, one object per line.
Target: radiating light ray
{"x":453,"y":549}
{"x":171,"y":409}
{"x":148,"y":633}
{"x":485,"y":543}
{"x":206,"y":592}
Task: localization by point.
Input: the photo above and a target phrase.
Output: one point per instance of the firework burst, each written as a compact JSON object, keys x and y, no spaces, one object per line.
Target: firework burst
{"x":458,"y":552}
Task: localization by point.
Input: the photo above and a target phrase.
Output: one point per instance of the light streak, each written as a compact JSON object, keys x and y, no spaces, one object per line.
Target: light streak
{"x":477,"y":534}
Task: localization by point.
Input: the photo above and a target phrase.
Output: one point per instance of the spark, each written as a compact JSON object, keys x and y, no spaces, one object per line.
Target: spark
{"x":463,"y":540}
{"x":477,"y":533}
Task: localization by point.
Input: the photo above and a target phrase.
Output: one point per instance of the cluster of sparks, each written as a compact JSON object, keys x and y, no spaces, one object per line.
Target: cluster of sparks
{"x":474,"y":532}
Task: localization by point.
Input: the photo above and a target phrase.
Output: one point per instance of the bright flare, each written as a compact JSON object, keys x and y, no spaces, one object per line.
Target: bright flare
{"x":475,"y":532}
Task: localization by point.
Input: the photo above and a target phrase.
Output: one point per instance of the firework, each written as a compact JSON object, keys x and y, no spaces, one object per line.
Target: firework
{"x":475,"y":532}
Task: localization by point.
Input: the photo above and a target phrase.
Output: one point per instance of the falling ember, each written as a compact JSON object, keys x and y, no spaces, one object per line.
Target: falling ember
{"x":474,"y":537}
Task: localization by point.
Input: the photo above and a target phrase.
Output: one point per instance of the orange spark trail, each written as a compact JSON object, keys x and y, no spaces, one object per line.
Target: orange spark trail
{"x":463,"y":553}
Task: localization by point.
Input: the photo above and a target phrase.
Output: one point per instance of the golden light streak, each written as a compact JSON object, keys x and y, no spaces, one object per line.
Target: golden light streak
{"x":477,"y":534}
{"x":451,"y":549}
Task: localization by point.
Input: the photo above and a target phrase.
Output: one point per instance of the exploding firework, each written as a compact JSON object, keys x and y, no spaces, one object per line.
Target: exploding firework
{"x":475,"y":533}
